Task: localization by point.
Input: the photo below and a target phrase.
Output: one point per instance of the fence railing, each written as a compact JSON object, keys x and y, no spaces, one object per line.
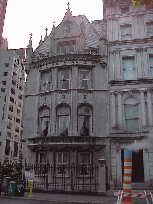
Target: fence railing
{"x":79,"y":178}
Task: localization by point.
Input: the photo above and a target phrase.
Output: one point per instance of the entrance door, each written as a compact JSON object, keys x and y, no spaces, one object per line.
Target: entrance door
{"x":137,"y":166}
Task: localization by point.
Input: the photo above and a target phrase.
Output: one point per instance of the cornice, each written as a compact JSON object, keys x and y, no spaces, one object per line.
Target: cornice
{"x":130,"y":42}
{"x":127,"y":82}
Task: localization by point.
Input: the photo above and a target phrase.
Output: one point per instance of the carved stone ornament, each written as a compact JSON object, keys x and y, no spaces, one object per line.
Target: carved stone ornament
{"x":103,"y":62}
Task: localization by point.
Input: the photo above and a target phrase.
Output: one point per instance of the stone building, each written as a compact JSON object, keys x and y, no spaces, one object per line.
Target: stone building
{"x":130,"y":77}
{"x":12,"y":80}
{"x":67,"y":95}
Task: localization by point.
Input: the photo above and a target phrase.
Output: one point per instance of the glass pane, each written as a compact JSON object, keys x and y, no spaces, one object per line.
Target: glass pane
{"x":44,"y":112}
{"x":84,"y":111}
{"x":63,"y":125}
{"x":43,"y":158}
{"x":71,"y":48}
{"x":151,"y":62}
{"x":59,"y":158}
{"x":84,"y":84}
{"x":126,"y":37}
{"x":131,"y":112}
{"x":45,"y":122}
{"x":84,"y":125}
{"x":128,"y":75}
{"x":84,"y":158}
{"x":63,"y":111}
{"x":63,"y":50}
{"x":126,"y":30}
{"x":65,"y":158}
{"x":152,"y":72}
{"x":128,"y":63}
{"x":65,"y":84}
{"x":132,"y":125}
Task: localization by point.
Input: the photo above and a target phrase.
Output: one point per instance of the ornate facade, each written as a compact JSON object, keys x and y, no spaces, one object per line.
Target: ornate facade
{"x":89,"y":92}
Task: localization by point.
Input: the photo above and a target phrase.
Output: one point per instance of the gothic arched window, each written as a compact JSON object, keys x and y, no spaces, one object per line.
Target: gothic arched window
{"x":63,"y":116}
{"x":131,"y":114}
{"x":84,"y":121}
{"x":44,"y":121}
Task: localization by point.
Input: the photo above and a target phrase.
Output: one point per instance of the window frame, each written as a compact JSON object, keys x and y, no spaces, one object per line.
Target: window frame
{"x":126,"y":34}
{"x":89,"y":118}
{"x":46,"y":86}
{"x":85,"y":169}
{"x":129,"y":69}
{"x":44,"y":132}
{"x":60,"y":79}
{"x":62,"y":166}
{"x":149,"y":34}
{"x":151,"y":68}
{"x":134,"y":104}
{"x":90,"y":78}
{"x":59,"y":116}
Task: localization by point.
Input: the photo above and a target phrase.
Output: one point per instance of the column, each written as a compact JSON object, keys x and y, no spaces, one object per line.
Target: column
{"x":143,"y":113}
{"x":117,"y":65}
{"x":102,"y":176}
{"x":149,"y":107}
{"x":119,"y":110}
{"x":111,"y":64}
{"x":113,"y":110}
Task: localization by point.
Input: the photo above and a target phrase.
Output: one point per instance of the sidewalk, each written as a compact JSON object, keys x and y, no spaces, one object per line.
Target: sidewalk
{"x":67,"y":198}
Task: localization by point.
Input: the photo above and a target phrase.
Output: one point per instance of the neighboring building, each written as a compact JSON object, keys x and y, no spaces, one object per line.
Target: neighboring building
{"x":67,"y":95}
{"x":130,"y":77}
{"x":12,"y":80}
{"x":3,"y":4}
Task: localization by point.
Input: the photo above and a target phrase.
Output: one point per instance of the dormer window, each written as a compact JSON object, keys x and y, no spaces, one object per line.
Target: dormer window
{"x":67,"y":27}
{"x":124,"y":9}
{"x":66,"y":47}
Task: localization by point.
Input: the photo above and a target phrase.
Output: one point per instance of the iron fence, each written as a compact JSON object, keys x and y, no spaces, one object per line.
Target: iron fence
{"x":71,"y":178}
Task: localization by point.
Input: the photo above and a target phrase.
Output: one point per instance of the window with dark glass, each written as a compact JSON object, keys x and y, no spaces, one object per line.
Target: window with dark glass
{"x":63,"y":115}
{"x":44,"y":121}
{"x":16,"y":129}
{"x":17,"y":120}
{"x":18,"y":112}
{"x":13,"y":82}
{"x":20,"y":88}
{"x":7,"y":147}
{"x":20,"y":96}
{"x":84,"y":163}
{"x":84,"y":120}
{"x":12,"y":91}
{"x":9,"y":126}
{"x":6,"y":64}
{"x":3,"y":89}
{"x":4,"y":82}
{"x":5,"y":73}
{"x":10,"y":116}
{"x":12,"y":99}
{"x":85,"y":79}
{"x":9,"y":134}
{"x":65,"y":80}
{"x":15,"y":149}
{"x":10,"y":108}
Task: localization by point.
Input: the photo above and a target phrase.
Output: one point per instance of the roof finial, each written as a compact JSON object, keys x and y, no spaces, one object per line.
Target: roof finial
{"x":30,"y":41}
{"x":54,"y":24}
{"x":68,"y":6}
{"x":46,"y":30}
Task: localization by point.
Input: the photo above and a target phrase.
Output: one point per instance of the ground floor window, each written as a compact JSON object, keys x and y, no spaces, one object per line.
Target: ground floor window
{"x":84,"y":162}
{"x":62,"y":162}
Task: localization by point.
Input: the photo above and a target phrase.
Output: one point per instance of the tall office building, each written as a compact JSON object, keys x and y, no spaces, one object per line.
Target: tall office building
{"x":3,"y":4}
{"x":12,"y":79}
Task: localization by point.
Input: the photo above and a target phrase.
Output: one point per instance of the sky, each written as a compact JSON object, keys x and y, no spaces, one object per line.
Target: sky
{"x":33,"y":16}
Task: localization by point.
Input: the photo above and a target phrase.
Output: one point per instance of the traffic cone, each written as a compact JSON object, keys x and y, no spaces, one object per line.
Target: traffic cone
{"x":127,"y":176}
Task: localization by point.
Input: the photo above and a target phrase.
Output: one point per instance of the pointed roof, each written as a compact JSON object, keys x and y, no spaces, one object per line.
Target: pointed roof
{"x":91,"y":32}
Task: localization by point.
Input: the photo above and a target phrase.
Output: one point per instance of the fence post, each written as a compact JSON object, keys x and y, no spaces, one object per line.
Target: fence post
{"x":102,"y":177}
